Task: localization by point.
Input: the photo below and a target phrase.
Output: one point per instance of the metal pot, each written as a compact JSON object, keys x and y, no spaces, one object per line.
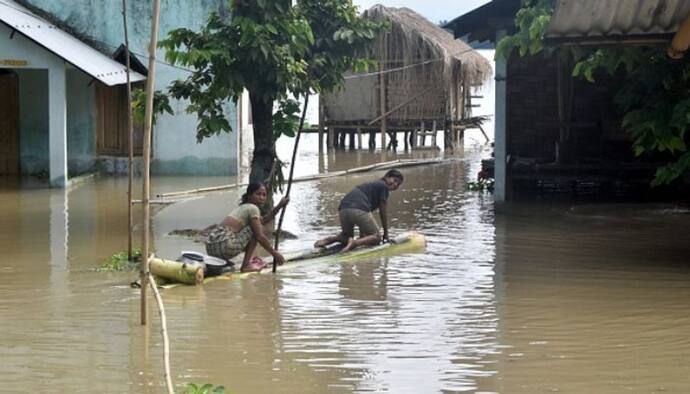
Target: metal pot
{"x":213,"y":266}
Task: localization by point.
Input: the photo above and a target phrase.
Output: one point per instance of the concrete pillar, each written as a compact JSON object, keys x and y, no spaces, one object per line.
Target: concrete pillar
{"x":500,"y":137}
{"x":57,"y":126}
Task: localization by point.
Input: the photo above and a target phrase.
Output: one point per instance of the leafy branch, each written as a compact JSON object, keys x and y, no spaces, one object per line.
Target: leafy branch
{"x":531,"y":20}
{"x":654,"y":95}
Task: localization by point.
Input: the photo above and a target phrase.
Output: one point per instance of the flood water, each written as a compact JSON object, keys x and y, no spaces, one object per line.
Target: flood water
{"x":539,"y":298}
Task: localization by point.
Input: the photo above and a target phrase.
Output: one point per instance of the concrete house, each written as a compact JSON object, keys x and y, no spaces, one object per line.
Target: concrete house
{"x":63,"y":96}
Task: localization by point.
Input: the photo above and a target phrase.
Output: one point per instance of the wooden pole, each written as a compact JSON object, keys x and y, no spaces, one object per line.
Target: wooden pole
{"x":130,"y":137}
{"x":382,"y":90}
{"x":238,"y":178}
{"x":148,"y":120}
{"x":433,"y":133}
{"x":321,"y":125}
{"x":292,"y":171}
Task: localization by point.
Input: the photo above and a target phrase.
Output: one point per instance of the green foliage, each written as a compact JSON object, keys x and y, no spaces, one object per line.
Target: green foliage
{"x":205,"y":389}
{"x":286,"y":118}
{"x":531,"y":20}
{"x":655,"y":95}
{"x":161,"y":103}
{"x":482,"y":185}
{"x":276,"y":178}
{"x":611,"y":60}
{"x":119,"y":262}
{"x":655,"y":98}
{"x":341,"y":37}
{"x":270,"y":48}
{"x":260,"y":48}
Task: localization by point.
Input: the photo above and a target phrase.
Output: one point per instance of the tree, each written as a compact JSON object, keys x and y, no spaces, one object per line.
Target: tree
{"x":272,"y":49}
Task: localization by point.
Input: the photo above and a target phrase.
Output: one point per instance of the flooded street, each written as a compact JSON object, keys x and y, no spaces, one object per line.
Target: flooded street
{"x":541,"y":298}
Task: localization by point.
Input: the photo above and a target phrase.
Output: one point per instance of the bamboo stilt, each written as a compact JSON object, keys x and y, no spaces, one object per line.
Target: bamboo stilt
{"x":433,"y":135}
{"x":238,"y":177}
{"x":382,"y":91}
{"x":148,"y":120}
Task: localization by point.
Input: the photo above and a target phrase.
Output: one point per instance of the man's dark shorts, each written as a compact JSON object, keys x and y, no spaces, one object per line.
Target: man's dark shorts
{"x":349,"y":218}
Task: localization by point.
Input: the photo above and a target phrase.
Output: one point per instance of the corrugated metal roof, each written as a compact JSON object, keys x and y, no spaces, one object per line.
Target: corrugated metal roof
{"x":616,"y":19}
{"x":64,"y":45}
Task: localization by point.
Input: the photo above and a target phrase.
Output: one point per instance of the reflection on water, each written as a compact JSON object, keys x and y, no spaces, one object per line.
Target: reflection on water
{"x":543,"y":298}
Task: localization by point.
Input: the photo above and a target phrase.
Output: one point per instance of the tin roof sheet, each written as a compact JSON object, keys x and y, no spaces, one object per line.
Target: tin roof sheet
{"x":64,"y":45}
{"x":616,"y":19}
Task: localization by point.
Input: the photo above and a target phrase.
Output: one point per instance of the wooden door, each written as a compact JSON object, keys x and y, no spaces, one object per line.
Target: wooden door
{"x":9,"y":132}
{"x":111,"y":135}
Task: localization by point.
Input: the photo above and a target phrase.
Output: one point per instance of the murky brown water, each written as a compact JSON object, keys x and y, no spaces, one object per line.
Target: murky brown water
{"x":542,"y":298}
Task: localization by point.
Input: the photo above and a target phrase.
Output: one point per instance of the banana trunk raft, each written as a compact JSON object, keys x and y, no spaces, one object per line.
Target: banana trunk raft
{"x":169,"y":273}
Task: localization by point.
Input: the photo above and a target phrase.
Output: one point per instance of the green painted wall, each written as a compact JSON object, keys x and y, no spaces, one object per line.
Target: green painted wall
{"x":33,"y":121}
{"x":174,"y":141}
{"x":81,"y":123}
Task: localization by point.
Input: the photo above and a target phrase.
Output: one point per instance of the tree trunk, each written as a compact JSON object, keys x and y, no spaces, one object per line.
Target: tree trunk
{"x":264,"y":143}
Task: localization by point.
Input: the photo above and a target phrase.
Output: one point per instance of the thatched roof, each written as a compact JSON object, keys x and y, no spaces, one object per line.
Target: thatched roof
{"x":428,"y":74}
{"x":423,"y":41}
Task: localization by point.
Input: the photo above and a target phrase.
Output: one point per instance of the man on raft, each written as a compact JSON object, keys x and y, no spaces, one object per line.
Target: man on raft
{"x":242,"y":229}
{"x":356,"y":209}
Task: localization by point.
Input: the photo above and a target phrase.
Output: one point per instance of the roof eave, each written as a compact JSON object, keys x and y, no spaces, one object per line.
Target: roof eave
{"x":632,"y":40}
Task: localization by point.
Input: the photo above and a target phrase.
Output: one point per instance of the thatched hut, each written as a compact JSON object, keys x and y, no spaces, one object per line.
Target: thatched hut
{"x":425,"y":77}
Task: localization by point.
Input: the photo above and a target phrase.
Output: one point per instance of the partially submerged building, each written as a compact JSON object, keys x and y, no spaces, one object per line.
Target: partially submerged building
{"x":63,"y":107}
{"x":555,"y":133}
{"x":426,"y":77}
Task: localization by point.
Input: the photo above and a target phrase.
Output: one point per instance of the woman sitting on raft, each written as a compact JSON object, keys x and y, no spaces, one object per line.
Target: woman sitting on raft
{"x":242,"y":229}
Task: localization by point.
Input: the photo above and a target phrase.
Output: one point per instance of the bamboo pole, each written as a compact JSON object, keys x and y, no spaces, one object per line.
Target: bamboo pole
{"x":382,"y":91}
{"x":148,"y":120}
{"x":238,"y":178}
{"x":292,"y":170}
{"x":433,"y":133}
{"x":370,"y":167}
{"x":130,"y":137}
{"x":164,"y":334}
{"x":401,"y":105}
{"x":321,"y":124}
